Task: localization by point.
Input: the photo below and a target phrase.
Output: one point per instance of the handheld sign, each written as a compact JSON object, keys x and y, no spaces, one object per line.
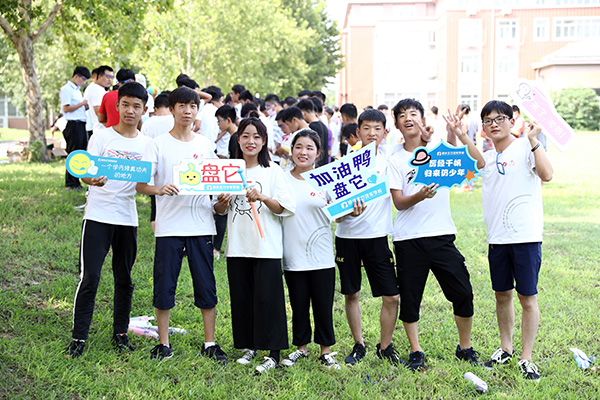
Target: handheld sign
{"x":209,"y":176}
{"x":82,"y":164}
{"x":537,"y":104}
{"x":445,"y":165}
{"x":351,"y":177}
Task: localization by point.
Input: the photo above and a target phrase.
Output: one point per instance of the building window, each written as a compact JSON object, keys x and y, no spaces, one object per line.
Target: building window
{"x":470,"y":32}
{"x":391,"y":99}
{"x":507,"y":31}
{"x":431,"y":39}
{"x":576,"y":2}
{"x":472,"y":100}
{"x":506,"y":65}
{"x":469,"y":65}
{"x":576,"y":28}
{"x":541,"y":29}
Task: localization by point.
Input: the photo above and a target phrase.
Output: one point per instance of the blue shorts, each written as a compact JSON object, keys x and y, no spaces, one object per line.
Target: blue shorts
{"x":167,"y":265}
{"x":515,"y":265}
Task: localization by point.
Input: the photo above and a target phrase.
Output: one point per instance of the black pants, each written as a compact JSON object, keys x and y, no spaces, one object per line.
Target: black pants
{"x":257,"y":303}
{"x":96,"y":239}
{"x":221,"y":223}
{"x":316,"y":286}
{"x":77,"y":139}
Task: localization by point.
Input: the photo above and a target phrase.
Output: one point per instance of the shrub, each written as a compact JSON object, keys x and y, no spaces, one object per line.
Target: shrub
{"x":579,"y":107}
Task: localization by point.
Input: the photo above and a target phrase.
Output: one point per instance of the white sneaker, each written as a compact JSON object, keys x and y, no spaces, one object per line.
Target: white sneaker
{"x":268,"y":365}
{"x":530,"y":370}
{"x":293,"y":357}
{"x":248,"y":356}
{"x":329,"y":361}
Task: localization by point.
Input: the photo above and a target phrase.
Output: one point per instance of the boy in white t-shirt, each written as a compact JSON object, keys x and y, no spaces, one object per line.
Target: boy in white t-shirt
{"x":183,"y":224}
{"x":361,"y":237}
{"x":162,"y":121}
{"x":514,"y":219}
{"x":110,"y":220}
{"x":424,"y":235}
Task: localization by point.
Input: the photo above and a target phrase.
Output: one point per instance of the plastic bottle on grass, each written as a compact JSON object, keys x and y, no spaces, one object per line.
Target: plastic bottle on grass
{"x":480,"y":385}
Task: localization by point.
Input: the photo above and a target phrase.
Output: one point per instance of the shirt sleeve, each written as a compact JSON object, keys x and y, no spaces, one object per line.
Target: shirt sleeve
{"x":102,"y":109}
{"x":282,"y":191}
{"x":96,"y":98}
{"x":65,"y":96}
{"x":393,"y":171}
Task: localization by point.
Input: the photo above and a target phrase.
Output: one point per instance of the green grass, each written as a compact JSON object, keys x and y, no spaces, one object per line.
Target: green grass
{"x":39,"y":239}
{"x":22,"y":134}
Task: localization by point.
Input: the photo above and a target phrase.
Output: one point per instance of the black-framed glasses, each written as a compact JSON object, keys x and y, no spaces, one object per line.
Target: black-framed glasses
{"x":498,"y":120}
{"x":499,"y":165}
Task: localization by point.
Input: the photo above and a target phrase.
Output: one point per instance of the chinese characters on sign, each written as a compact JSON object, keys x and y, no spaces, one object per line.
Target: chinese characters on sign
{"x":211,"y":176}
{"x":82,"y":164}
{"x":444,"y":164}
{"x":352,"y":177}
{"x":537,"y":104}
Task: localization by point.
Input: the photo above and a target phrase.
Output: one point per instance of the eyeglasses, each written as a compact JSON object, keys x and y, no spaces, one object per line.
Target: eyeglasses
{"x":281,"y":125}
{"x":499,"y":164}
{"x":221,"y":120}
{"x":267,"y":105}
{"x":498,"y":120}
{"x":83,"y":77}
{"x":108,"y":76}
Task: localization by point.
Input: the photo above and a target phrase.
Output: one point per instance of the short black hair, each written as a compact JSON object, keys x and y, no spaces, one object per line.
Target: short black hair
{"x":246,"y":95}
{"x":238,"y":88}
{"x":95,"y":72}
{"x":103,"y":68}
{"x":162,"y":100}
{"x":499,"y":106}
{"x":304,"y":93}
{"x":349,"y":110}
{"x":263,"y":154}
{"x":134,"y":89}
{"x":272,"y":98}
{"x":215,"y":95}
{"x":466,"y":107}
{"x":371,"y":115}
{"x":329,"y":111}
{"x":247,"y":108}
{"x":383,"y":107}
{"x":290,"y":101}
{"x":282,"y":115}
{"x":307,"y":105}
{"x":226,"y":112}
{"x":516,"y":108}
{"x":179,"y":78}
{"x":125,"y":74}
{"x":434,"y":110}
{"x":293,"y":112}
{"x":318,"y":104}
{"x":82,"y":71}
{"x":227,"y":98}
{"x":309,"y":133}
{"x":320,"y":95}
{"x":189,"y":83}
{"x":183,"y":95}
{"x":407,"y":104}
{"x":349,"y":130}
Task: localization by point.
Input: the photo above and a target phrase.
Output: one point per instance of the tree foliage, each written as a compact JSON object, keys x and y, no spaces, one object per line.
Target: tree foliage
{"x":579,"y":107}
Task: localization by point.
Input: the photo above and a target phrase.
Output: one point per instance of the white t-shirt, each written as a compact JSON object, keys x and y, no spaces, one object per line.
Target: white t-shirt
{"x":93,"y":94}
{"x":243,"y":239}
{"x":428,"y":218}
{"x":157,"y":125}
{"x":223,"y":145}
{"x":307,"y":240}
{"x":375,"y":221}
{"x":114,"y":203}
{"x":181,"y":215}
{"x":512,"y":203}
{"x":209,"y":126}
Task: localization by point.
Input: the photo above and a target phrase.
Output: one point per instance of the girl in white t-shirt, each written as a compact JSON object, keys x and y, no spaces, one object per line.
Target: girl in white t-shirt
{"x":254,"y":264}
{"x":308,"y":260}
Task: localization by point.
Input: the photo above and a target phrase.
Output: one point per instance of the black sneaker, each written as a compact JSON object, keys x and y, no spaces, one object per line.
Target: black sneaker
{"x":499,"y":357}
{"x":358,"y":353}
{"x":160,"y":352}
{"x":469,"y":355}
{"x":416,"y":361}
{"x":215,"y":352}
{"x":121,"y":342}
{"x":530,"y":370}
{"x":390,"y":354}
{"x":75,"y":349}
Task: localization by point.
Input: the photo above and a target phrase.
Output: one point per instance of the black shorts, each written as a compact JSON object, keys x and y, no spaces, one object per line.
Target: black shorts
{"x":167,"y":265}
{"x":415,"y":258}
{"x":377,"y":259}
{"x":515,"y":265}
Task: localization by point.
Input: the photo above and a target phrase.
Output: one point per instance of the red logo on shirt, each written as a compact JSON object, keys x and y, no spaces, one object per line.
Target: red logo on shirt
{"x":195,"y":156}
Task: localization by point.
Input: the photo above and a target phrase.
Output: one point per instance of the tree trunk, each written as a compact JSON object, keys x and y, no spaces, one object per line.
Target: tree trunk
{"x":35,"y":115}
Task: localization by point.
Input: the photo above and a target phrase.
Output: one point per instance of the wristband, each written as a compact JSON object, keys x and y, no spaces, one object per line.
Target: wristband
{"x":535,"y":147}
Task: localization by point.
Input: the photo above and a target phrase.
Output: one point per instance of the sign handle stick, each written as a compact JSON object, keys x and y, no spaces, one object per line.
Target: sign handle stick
{"x":260,"y":231}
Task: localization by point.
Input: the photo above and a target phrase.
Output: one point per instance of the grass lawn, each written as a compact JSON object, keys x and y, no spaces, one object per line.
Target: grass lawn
{"x":22,"y":134}
{"x":39,"y":241}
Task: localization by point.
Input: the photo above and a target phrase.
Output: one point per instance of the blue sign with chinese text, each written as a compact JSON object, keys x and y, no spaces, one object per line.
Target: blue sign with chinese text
{"x":82,"y":164}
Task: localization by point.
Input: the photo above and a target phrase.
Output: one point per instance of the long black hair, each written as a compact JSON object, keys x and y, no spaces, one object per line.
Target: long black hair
{"x":263,"y":154}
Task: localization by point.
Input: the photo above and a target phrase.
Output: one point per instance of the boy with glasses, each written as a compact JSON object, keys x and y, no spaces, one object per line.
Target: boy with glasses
{"x":513,"y":215}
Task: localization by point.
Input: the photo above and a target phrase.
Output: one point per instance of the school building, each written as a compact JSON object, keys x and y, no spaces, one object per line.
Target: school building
{"x":465,"y":51}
